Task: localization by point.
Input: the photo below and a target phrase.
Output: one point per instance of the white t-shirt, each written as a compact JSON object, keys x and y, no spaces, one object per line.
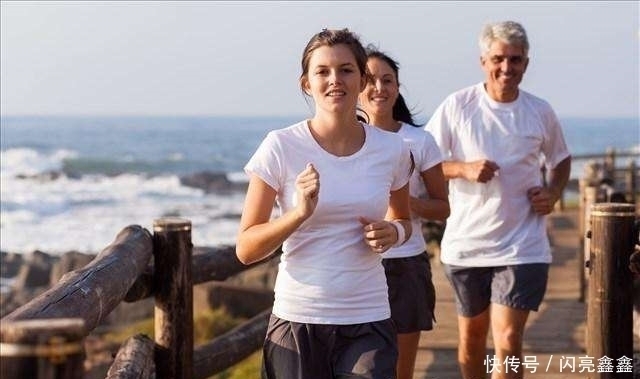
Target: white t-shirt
{"x":426,"y":154}
{"x":327,"y":273}
{"x":492,"y":224}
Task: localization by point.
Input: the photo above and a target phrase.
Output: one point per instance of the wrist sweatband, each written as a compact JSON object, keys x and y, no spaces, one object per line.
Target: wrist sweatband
{"x":401,"y":232}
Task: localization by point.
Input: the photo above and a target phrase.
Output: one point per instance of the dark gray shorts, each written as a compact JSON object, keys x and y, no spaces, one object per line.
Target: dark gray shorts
{"x":517,"y":286}
{"x":314,"y":351}
{"x":412,"y":296}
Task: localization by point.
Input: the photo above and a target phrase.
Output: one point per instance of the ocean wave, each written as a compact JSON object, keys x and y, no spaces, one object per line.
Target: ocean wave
{"x":30,"y":162}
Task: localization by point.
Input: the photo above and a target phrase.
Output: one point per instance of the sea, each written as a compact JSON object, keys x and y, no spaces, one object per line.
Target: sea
{"x":72,"y":183}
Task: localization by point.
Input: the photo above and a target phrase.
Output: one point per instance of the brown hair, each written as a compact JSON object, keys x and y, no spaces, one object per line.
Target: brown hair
{"x":332,"y":37}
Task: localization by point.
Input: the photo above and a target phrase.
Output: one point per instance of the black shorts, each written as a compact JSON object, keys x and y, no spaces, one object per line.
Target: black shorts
{"x":412,"y":296}
{"x":295,"y":350}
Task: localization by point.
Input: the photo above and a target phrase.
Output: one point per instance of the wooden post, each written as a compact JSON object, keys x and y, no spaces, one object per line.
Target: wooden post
{"x":590,"y":198}
{"x":172,"y":251}
{"x":609,"y":166}
{"x":42,"y":349}
{"x":610,"y":305}
{"x":582,"y":185}
{"x":630,"y":181}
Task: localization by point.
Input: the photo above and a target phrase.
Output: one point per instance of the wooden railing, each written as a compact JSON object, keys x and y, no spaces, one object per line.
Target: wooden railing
{"x":44,"y":339}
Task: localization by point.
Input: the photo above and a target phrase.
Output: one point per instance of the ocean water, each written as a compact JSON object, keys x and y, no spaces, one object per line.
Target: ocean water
{"x":72,"y":183}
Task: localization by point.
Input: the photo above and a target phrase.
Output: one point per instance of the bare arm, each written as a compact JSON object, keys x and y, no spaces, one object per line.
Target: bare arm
{"x":544,"y":198}
{"x":475,"y":171}
{"x":436,"y":206}
{"x":259,"y":236}
{"x":381,"y":235}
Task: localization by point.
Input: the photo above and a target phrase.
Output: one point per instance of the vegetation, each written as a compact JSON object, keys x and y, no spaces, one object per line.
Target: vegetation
{"x":207,"y":325}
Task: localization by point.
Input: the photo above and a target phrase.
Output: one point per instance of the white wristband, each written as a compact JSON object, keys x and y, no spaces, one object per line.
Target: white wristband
{"x":401,"y":232}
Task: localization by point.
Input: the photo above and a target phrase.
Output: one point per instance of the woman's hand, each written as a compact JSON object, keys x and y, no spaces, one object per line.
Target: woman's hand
{"x":307,"y":190}
{"x":379,"y":235}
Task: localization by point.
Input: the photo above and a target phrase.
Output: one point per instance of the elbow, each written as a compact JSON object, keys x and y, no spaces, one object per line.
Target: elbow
{"x":243,"y":253}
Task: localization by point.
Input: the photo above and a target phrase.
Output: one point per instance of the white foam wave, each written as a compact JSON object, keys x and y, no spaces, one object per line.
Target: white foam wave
{"x":86,"y":214}
{"x":25,"y":161}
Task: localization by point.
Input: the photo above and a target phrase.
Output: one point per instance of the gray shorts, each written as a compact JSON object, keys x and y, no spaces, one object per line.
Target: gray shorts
{"x":314,"y":351}
{"x":517,"y":286}
{"x":412,"y":296}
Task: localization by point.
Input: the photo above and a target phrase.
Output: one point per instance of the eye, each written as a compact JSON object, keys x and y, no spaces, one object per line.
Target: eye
{"x":516,"y":59}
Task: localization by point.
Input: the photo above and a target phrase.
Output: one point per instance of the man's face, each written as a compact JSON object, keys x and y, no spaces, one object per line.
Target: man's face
{"x":504,"y":66}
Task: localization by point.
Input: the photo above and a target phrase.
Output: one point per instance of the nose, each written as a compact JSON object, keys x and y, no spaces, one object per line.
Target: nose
{"x":334,"y":78}
{"x":377,"y":84}
{"x":506,"y":65}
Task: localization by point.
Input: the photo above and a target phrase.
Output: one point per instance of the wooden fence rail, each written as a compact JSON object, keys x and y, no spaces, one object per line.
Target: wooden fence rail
{"x":124,"y":271}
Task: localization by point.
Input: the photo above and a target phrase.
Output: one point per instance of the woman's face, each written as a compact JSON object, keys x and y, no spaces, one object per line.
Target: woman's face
{"x":334,"y":80}
{"x":382,"y":88}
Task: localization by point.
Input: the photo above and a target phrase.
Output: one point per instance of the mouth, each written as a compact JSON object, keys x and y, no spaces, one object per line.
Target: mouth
{"x":336,"y":93}
{"x":378,"y":99}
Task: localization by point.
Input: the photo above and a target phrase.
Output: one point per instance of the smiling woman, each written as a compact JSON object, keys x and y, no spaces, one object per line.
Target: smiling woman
{"x":331,"y":292}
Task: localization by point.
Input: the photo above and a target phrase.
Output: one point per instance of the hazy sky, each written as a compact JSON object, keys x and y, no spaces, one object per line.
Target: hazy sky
{"x":243,"y":58}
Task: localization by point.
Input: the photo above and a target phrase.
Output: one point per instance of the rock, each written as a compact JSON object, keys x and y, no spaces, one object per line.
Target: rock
{"x":35,"y":271}
{"x":211,"y":182}
{"x":239,"y":301}
{"x":10,"y":264}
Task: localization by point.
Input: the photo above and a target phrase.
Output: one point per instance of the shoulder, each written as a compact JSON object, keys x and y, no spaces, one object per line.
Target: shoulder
{"x":295,"y":131}
{"x":413,"y":133}
{"x":465,"y":96}
{"x":535,"y":101}
{"x":383,"y":138}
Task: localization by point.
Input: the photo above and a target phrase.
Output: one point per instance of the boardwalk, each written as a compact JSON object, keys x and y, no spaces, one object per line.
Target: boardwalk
{"x":554,"y":334}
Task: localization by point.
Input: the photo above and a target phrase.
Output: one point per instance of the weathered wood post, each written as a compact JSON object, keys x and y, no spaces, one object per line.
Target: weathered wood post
{"x":630,"y":181}
{"x":172,"y":251}
{"x":588,"y":197}
{"x":610,"y":305}
{"x":609,"y":166}
{"x":42,"y":349}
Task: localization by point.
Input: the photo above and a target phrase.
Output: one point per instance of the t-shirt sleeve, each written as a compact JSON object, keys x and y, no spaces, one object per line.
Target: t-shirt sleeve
{"x":404,"y":168}
{"x":430,"y":151}
{"x":266,"y":162}
{"x":554,"y":146}
{"x":440,"y":129}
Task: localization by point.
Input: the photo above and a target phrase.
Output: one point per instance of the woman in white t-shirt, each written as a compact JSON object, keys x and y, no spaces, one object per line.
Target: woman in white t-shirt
{"x":408,"y":270}
{"x":341,"y":188}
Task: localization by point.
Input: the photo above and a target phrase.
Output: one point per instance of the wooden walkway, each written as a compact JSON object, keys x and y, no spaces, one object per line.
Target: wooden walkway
{"x":554,"y":335}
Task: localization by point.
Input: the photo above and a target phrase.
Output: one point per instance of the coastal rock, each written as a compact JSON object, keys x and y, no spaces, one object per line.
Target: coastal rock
{"x":35,"y":271}
{"x":10,"y":264}
{"x":211,"y":182}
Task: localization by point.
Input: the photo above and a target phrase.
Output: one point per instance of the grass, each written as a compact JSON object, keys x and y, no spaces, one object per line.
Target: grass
{"x":207,"y":324}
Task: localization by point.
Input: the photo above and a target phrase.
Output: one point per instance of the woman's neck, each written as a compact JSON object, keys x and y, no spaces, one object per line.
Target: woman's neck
{"x":340,"y":136}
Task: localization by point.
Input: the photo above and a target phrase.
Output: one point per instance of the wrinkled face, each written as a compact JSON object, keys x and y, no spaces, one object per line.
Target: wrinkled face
{"x":382,"y":88}
{"x":333,"y":80}
{"x":504,"y":65}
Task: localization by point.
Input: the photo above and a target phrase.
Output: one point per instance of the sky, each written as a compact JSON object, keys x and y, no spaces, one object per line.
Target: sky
{"x":242,"y":58}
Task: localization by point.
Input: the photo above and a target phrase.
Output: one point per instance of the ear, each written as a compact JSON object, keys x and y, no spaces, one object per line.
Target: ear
{"x":304,"y":84}
{"x":526,"y":64}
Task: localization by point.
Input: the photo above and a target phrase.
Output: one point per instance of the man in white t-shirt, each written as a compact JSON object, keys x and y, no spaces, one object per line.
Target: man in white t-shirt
{"x":495,"y":250}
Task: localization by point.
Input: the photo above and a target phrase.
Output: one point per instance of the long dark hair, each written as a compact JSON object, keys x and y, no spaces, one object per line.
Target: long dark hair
{"x":401,"y":111}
